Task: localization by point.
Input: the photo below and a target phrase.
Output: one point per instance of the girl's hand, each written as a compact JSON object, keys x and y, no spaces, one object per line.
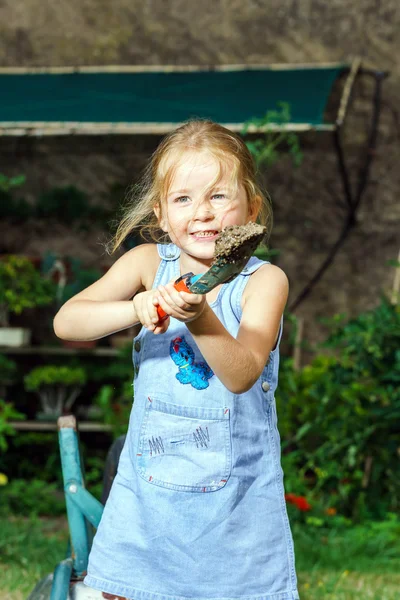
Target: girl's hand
{"x":183,"y":306}
{"x":145,"y":304}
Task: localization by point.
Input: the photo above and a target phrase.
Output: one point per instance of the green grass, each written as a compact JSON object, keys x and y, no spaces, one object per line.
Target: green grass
{"x":29,"y":550}
{"x":357,"y":563}
{"x":361,"y":562}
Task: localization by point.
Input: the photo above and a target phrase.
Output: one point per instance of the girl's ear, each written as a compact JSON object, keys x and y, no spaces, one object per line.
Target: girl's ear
{"x":161,"y":220}
{"x":255,"y":208}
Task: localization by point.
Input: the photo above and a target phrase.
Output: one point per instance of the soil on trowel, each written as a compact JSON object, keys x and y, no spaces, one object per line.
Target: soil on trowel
{"x":237,"y":242}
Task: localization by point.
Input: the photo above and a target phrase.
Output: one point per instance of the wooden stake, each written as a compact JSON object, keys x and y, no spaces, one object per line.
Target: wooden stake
{"x":396,"y":283}
{"x":297,"y":344}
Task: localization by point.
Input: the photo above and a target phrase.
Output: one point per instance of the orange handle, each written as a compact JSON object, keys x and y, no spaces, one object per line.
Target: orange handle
{"x":180,"y":285}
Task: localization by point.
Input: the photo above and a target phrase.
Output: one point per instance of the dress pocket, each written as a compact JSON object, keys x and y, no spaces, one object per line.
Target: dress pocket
{"x":184,"y":447}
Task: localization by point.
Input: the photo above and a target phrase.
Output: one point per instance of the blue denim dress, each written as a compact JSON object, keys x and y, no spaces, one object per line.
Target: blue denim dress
{"x":197,"y":508}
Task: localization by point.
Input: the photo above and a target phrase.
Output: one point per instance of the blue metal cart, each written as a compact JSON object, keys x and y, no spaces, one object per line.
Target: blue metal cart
{"x":84,"y":513}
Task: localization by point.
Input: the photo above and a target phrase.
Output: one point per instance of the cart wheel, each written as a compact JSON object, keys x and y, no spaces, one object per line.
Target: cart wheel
{"x":110,"y":469}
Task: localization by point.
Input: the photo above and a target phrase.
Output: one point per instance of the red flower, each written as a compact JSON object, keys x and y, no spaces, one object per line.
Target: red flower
{"x":298,"y":501}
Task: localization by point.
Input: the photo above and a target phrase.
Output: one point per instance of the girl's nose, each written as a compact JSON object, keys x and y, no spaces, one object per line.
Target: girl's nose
{"x":202,"y":211}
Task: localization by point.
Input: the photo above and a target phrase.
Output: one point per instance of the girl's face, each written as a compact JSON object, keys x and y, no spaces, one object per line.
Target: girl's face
{"x":194,"y":214}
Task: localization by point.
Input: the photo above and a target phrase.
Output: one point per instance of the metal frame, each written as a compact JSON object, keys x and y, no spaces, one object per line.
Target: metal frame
{"x":52,"y":128}
{"x":168,"y":68}
{"x":83,"y":511}
{"x":353,"y":198}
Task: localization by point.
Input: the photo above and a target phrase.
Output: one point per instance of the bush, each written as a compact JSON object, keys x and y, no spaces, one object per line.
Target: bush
{"x":66,"y":204}
{"x":34,"y":497}
{"x":7,"y":413}
{"x":8,"y":370}
{"x":22,"y":287}
{"x":339,"y":418}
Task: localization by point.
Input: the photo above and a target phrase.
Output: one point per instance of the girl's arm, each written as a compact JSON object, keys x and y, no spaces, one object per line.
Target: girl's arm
{"x":104,"y":307}
{"x":239,"y":362}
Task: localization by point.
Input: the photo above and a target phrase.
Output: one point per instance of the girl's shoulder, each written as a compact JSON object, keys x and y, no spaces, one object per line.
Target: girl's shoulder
{"x":266,"y":276}
{"x":147,"y":256}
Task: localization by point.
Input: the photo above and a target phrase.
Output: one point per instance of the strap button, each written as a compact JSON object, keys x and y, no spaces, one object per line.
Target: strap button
{"x":265,"y":386}
{"x":137,"y":346}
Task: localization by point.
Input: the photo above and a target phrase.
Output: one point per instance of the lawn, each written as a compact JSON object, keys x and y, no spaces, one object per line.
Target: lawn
{"x":360,"y":563}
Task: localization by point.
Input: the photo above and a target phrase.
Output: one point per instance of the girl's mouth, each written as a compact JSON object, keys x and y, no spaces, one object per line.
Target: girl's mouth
{"x":205,"y":236}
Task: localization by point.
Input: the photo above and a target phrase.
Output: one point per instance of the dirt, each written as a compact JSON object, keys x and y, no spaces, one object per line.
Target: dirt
{"x":237,"y":242}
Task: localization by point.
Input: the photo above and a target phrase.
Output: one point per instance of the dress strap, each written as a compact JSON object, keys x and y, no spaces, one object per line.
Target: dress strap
{"x":242,"y":279}
{"x":168,"y":251}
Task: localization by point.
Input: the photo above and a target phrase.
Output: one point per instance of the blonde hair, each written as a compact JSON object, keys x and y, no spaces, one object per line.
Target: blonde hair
{"x":195,"y":135}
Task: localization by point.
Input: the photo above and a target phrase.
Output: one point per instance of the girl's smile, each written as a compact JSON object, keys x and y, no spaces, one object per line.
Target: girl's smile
{"x":205,"y":236}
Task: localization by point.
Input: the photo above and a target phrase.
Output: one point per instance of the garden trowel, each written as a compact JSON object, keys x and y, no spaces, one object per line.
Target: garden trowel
{"x":233,"y":248}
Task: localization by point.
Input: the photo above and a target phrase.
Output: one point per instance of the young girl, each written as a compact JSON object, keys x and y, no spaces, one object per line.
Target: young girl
{"x":197,"y":508}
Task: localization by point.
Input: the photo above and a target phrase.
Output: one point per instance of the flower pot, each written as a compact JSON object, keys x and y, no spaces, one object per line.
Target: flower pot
{"x":14,"y":336}
{"x":46,"y":417}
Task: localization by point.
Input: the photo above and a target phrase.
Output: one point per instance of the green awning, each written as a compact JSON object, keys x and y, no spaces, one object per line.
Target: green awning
{"x":121,"y":99}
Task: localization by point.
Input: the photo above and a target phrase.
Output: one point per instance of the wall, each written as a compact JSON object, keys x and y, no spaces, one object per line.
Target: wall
{"x":307,"y":201}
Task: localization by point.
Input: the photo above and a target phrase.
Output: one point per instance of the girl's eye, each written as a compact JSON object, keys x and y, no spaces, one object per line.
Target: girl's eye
{"x":181,"y":199}
{"x":218,"y":197}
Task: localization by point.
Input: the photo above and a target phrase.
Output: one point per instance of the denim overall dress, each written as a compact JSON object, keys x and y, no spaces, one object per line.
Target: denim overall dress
{"x":197,"y":508}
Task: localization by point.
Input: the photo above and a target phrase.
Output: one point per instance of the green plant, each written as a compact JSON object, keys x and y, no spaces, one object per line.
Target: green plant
{"x":57,"y":386}
{"x":275,"y":135}
{"x":339,"y":417}
{"x":69,"y":205}
{"x":115,"y":406}
{"x":21,"y":287}
{"x":9,"y":205}
{"x":66,"y":204}
{"x":31,"y":497}
{"x":115,"y":396}
{"x":94,"y":473}
{"x":8,"y":370}
{"x":8,"y":183}
{"x":265,"y":253}
{"x":7,"y":414}
{"x":20,"y":462}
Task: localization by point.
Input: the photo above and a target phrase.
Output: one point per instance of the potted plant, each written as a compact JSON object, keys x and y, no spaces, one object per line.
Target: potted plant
{"x":57,"y":387}
{"x":21,"y":287}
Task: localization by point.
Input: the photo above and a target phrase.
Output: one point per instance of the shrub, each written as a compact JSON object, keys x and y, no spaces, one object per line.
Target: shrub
{"x":22,"y":287}
{"x":339,"y":417}
{"x":7,"y":413}
{"x":33,"y":497}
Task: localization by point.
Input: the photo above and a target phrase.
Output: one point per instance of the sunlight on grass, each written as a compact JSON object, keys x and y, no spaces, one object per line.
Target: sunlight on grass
{"x":29,"y":550}
{"x":348,"y":586}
